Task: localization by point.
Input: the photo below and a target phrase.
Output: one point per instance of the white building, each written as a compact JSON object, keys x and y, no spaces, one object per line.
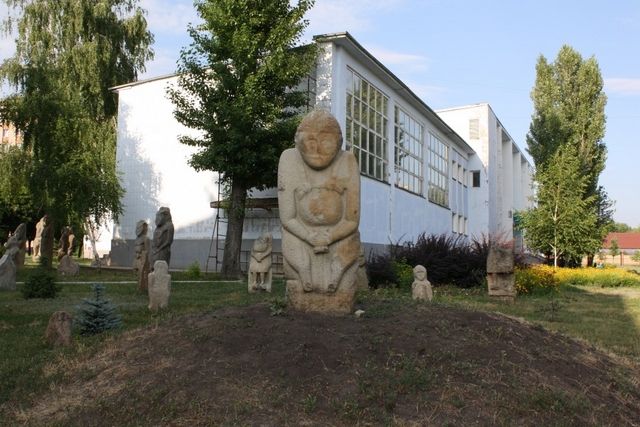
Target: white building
{"x":416,"y":171}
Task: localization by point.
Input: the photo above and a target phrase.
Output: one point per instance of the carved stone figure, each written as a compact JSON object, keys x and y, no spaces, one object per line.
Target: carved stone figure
{"x":58,"y":331}
{"x":43,"y":243}
{"x":72,"y":242}
{"x":68,"y":266}
{"x":159,"y":286}
{"x":421,"y":289}
{"x":362,"y":280}
{"x":63,"y":243}
{"x":260,"y":274}
{"x":8,"y":269}
{"x":19,"y":240}
{"x":500,"y":276}
{"x":162,"y":237}
{"x":141,"y":260}
{"x":319,"y":203}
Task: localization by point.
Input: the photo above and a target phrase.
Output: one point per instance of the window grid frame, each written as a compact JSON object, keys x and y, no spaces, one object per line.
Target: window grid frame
{"x":438,"y":192}
{"x":409,"y":176}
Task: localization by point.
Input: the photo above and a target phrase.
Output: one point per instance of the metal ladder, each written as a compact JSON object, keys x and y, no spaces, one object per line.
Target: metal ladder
{"x":216,"y":247}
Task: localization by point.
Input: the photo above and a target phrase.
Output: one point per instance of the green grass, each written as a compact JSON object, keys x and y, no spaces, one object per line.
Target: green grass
{"x":24,"y":354}
{"x":606,"y":317}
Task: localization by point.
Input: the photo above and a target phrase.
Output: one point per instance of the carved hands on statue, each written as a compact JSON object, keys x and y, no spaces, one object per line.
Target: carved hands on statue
{"x":320,"y":241}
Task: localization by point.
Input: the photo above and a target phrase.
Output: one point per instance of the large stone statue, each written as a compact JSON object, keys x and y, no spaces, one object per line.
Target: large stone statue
{"x":500,"y":275}
{"x":43,"y":242}
{"x":141,"y":261}
{"x":162,"y":237}
{"x":319,"y":203}
{"x":18,"y":239}
{"x":63,"y":243}
{"x":260,"y":274}
{"x":8,"y":269}
{"x":159,"y":286}
{"x":421,"y":289}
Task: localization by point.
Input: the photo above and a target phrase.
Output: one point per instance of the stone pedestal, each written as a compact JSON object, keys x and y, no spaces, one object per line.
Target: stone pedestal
{"x":500,"y":275}
{"x":337,"y":303}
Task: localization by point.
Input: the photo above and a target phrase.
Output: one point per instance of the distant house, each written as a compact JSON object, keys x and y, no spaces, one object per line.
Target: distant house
{"x":9,"y":135}
{"x":628,"y":243}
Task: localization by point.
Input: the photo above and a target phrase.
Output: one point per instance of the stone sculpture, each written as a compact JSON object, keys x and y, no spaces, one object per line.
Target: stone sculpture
{"x":319,"y":204}
{"x":421,"y":289}
{"x":8,"y":269}
{"x":500,"y":275}
{"x":260,"y":274}
{"x":58,"y":331}
{"x":362,"y":280}
{"x":43,"y":243}
{"x":162,"y":237}
{"x":159,"y":286}
{"x":18,"y":239}
{"x":63,"y":243}
{"x":72,"y":242}
{"x":141,"y":261}
{"x":68,"y":266}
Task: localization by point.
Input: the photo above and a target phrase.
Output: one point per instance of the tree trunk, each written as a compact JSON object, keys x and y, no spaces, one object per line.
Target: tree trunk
{"x":92,"y":239}
{"x":233,"y":240}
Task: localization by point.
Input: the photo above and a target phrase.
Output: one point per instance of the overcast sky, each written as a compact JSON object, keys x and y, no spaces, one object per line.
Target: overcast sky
{"x":459,"y":52}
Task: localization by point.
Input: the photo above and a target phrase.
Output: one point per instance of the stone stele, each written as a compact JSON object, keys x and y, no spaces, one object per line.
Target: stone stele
{"x":63,"y":243}
{"x":8,"y":269}
{"x":43,"y":242}
{"x":421,"y":289}
{"x":260,"y":273}
{"x":362,"y":280}
{"x":319,"y":204}
{"x":500,"y":276}
{"x":162,"y":237}
{"x":58,"y":331}
{"x":141,"y":261}
{"x":159,"y":286}
{"x":68,"y":266}
{"x":18,"y":239}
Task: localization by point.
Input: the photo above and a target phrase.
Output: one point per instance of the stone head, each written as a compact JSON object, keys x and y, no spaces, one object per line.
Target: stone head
{"x":318,"y":139}
{"x":21,"y":232}
{"x":419,"y":273}
{"x":163,"y":216}
{"x":141,"y":228}
{"x":161,"y":267}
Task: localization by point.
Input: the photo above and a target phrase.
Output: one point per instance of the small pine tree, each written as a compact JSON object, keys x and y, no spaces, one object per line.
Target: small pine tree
{"x":98,"y":315}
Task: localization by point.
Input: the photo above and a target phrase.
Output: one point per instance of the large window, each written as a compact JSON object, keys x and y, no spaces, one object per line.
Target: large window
{"x":408,"y":152}
{"x":366,"y":126}
{"x":438,"y":171}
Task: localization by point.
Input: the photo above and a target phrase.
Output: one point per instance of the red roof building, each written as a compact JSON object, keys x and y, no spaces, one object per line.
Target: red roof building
{"x":626,"y":241}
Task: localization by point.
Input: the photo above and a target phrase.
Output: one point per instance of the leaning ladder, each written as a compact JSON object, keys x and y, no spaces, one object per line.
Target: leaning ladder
{"x":216,"y":247}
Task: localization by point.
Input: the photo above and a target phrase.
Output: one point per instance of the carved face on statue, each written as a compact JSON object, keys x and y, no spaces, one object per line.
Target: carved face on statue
{"x":420,"y":273}
{"x":318,"y":139}
{"x":163,"y":216}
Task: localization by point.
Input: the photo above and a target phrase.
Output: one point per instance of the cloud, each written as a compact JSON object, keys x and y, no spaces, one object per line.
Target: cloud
{"x":623,"y":86}
{"x":164,"y":62}
{"x":408,"y":61}
{"x":169,"y":16}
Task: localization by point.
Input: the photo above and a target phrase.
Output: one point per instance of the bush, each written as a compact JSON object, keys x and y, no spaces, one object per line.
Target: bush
{"x":40,"y":284}
{"x":97,"y":315}
{"x":603,"y":277}
{"x":536,"y":280}
{"x":403,"y":273}
{"x":193,"y":270}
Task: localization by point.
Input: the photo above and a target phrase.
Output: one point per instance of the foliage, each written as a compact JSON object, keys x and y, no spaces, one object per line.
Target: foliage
{"x":569,"y":103}
{"x":403,"y":273}
{"x":193,"y":270}
{"x":448,"y":260}
{"x":610,"y":277}
{"x":614,"y":249}
{"x":278,"y":306}
{"x":636,"y":256}
{"x":562,"y":222}
{"x":15,"y":197}
{"x":536,"y":280}
{"x":69,"y":53}
{"x":97,"y":315}
{"x":235,"y":87}
{"x":41,"y":283}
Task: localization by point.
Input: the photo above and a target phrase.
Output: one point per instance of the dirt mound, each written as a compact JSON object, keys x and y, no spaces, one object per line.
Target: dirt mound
{"x":401,"y":364}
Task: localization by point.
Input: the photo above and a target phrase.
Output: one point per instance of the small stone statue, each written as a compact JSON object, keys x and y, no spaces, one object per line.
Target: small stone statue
{"x":260,"y":274}
{"x":162,"y":237}
{"x":63,"y":243}
{"x":68,"y":266}
{"x":159,"y":286}
{"x":362,"y":280}
{"x":421,"y":289}
{"x":58,"y":331}
{"x":43,"y":243}
{"x":19,"y":240}
{"x":319,"y":203}
{"x":141,"y":261}
{"x":72,"y":242}
{"x":500,"y":275}
{"x":8,"y":269}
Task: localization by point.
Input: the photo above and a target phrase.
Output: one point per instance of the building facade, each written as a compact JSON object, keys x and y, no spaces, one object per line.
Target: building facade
{"x":417,"y":172}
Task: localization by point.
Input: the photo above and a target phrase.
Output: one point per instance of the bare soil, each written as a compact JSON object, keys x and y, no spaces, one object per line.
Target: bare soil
{"x":400,"y":364}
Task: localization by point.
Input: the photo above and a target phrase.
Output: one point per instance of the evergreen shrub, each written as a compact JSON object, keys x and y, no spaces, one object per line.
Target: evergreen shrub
{"x":41,"y":283}
{"x":97,"y":315}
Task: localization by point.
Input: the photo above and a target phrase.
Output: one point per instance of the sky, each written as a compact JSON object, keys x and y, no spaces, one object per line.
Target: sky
{"x":460,"y":52}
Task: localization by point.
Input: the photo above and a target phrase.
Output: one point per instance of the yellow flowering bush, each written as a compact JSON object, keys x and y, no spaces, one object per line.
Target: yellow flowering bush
{"x":538,"y":279}
{"x":603,"y":277}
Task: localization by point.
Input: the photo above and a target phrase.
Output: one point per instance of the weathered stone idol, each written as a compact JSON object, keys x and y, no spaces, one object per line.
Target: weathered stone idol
{"x":500,"y":276}
{"x":162,"y":237}
{"x":421,"y":289}
{"x":58,"y":331}
{"x":362,"y":280}
{"x":159,"y":286}
{"x":68,"y":266}
{"x":8,"y":269}
{"x":63,"y":243}
{"x":141,"y":260}
{"x":260,"y":274}
{"x":43,"y":242}
{"x":19,"y":240}
{"x":319,"y":203}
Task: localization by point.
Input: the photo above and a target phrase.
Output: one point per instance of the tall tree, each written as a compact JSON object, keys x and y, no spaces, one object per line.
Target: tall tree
{"x":236,"y":85}
{"x":68,"y":54}
{"x":559,"y":226}
{"x":569,"y":103}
